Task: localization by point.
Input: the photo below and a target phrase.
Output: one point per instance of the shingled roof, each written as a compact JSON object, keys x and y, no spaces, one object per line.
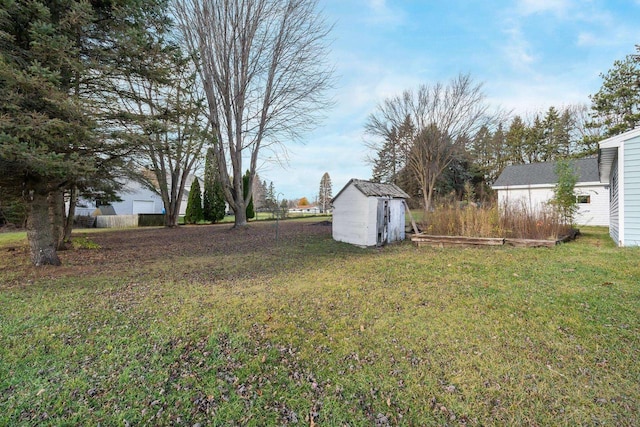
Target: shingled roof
{"x":375,"y":189}
{"x":545,"y":173}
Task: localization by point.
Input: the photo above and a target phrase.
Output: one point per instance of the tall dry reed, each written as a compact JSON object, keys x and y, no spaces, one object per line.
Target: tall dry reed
{"x":514,"y":221}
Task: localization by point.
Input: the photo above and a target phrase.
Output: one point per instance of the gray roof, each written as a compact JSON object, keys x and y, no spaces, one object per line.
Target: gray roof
{"x":375,"y":189}
{"x":545,"y":173}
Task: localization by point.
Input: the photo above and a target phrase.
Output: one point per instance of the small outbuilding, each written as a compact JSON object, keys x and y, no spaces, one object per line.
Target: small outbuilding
{"x":619,"y":163}
{"x":369,"y":214}
{"x":532,"y":186}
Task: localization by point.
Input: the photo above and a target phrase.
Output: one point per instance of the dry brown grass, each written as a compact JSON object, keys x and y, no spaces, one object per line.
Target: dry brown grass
{"x":458,"y":219}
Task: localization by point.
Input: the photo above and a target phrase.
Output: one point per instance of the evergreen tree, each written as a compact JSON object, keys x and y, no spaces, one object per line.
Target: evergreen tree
{"x":616,"y":106}
{"x":271,"y":199}
{"x":56,"y":62}
{"x":47,"y":137}
{"x":246,"y":190}
{"x":324,"y":195}
{"x":533,"y":148}
{"x":194,"y":213}
{"x":213,"y":204}
{"x":393,"y":154}
{"x":516,"y":140}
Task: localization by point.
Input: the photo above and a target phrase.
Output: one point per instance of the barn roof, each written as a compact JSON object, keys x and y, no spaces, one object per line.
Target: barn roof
{"x":545,"y":173}
{"x":375,"y":189}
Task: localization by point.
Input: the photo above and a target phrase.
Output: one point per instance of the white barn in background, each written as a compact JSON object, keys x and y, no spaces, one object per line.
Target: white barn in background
{"x":531,"y":185}
{"x":369,"y":214}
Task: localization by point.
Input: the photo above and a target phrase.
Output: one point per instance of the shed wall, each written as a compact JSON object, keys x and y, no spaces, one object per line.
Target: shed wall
{"x":351,"y":217}
{"x":631,"y":190}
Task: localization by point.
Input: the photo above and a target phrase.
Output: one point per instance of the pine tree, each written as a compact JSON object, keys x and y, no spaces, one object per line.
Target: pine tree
{"x":213,"y":203}
{"x":209,"y":180}
{"x":324,"y":195}
{"x":270,"y":198}
{"x":46,"y":134}
{"x":194,"y":213}
{"x":246,"y":190}
{"x":616,"y":106}
{"x":57,"y":60}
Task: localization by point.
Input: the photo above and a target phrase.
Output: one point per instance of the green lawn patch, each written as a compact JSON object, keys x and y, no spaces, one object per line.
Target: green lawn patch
{"x":219,"y":327}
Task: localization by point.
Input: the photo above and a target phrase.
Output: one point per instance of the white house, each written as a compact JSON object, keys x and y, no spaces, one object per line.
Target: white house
{"x":619,"y":163}
{"x":369,"y":214}
{"x":305,"y":210}
{"x":531,"y":185}
{"x":136,"y":199}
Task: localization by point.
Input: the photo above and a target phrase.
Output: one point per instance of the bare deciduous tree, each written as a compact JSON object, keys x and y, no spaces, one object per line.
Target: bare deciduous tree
{"x":164,"y":118}
{"x":444,"y":118}
{"x":263,"y":67}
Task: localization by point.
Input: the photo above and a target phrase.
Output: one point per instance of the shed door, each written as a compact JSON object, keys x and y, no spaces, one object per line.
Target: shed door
{"x":382,"y":224}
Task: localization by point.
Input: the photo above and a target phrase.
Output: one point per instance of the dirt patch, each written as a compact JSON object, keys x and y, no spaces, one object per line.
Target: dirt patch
{"x":138,"y":249}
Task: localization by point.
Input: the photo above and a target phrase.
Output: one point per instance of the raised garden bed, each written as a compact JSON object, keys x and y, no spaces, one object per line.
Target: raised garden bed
{"x":442,"y":241}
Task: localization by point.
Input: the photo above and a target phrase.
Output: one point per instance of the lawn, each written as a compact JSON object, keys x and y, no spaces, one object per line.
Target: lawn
{"x":204,"y":325}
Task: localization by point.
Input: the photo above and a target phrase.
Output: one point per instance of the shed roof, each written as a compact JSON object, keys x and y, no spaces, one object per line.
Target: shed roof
{"x":545,"y":173}
{"x":375,"y":189}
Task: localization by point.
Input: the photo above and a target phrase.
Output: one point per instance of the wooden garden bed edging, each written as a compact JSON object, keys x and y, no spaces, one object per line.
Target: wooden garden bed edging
{"x":442,"y":241}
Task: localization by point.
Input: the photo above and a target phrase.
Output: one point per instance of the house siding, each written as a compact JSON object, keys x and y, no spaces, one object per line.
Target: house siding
{"x":614,"y":213}
{"x":536,"y":199}
{"x":597,"y":211}
{"x":632,"y":192}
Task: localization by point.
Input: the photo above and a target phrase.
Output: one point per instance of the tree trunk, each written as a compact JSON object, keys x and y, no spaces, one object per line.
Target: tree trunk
{"x":240,"y":215}
{"x":41,"y":232}
{"x":68,"y":224}
{"x":57,"y":214}
{"x":171,"y":218}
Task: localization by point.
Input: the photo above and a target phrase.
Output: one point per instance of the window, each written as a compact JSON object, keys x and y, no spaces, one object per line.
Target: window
{"x":583,"y":199}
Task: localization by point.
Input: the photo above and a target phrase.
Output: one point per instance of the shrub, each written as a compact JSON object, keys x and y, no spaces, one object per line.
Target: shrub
{"x":194,"y":213}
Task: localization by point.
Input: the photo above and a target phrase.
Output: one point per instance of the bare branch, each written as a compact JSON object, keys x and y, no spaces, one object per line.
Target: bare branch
{"x":264,"y":71}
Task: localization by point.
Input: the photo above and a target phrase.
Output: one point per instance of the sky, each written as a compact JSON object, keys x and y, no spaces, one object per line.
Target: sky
{"x":528,"y":54}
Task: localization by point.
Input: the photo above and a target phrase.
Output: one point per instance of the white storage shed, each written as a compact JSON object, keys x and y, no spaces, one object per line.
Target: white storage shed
{"x":369,"y":214}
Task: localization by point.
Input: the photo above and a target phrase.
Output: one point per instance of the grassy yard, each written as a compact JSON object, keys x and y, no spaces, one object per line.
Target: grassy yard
{"x":206,"y":325}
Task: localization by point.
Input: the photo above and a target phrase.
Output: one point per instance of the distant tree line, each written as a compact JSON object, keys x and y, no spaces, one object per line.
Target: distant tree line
{"x":442,"y":138}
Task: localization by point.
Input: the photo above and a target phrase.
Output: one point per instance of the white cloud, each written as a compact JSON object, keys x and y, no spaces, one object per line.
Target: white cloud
{"x":382,"y":13}
{"x":614,"y":36}
{"x":537,"y":94}
{"x":517,"y":50}
{"x":557,"y":7}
